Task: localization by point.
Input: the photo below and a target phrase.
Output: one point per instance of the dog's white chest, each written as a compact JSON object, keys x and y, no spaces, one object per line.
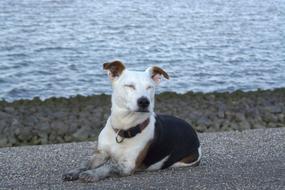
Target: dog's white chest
{"x":128,"y":149}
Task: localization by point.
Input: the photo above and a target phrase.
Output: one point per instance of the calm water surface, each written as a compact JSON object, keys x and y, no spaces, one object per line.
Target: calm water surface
{"x":57,"y":47}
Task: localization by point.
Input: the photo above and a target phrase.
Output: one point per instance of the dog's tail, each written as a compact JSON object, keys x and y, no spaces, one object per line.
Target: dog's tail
{"x":197,"y":162}
{"x":194,"y":163}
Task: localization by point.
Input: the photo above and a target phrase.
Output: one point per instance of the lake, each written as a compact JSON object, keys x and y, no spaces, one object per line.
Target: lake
{"x":57,"y":47}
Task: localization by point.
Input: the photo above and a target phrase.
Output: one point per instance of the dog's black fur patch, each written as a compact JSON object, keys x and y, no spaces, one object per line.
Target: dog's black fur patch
{"x":173,"y":137}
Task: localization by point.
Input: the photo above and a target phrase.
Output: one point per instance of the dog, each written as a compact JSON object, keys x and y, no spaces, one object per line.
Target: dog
{"x":134,"y":137}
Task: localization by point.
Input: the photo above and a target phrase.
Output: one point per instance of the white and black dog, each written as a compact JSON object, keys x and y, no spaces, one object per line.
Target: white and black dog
{"x":135,"y":138}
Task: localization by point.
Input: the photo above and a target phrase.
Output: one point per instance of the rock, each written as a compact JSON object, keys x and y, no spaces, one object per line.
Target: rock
{"x":281,"y":118}
{"x":52,"y":137}
{"x":72,"y":127}
{"x":16,"y":124}
{"x":235,"y":126}
{"x":239,"y":117}
{"x":43,"y":127}
{"x":10,"y":110}
{"x":43,"y":138}
{"x":59,"y":139}
{"x":272,"y":125}
{"x":24,"y":133}
{"x":201,"y":128}
{"x":228,"y":115}
{"x":31,"y":121}
{"x":3,"y":125}
{"x":221,"y":114}
{"x":217,"y":124}
{"x":275,"y":109}
{"x":60,"y":115}
{"x":203,"y":121}
{"x":35,"y":140}
{"x":225,"y":126}
{"x":267,"y":117}
{"x":252,"y":113}
{"x":81,"y":134}
{"x":59,"y":127}
{"x":4,"y":115}
{"x":67,"y":138}
{"x":33,"y":110}
{"x":244,"y":124}
{"x":3,"y":141}
{"x":12,"y":140}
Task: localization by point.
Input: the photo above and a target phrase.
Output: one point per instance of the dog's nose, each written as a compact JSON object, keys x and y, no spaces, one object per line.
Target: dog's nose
{"x":143,"y":102}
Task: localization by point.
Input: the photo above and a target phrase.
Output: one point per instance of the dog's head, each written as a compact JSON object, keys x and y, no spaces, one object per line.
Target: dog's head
{"x":134,"y":90}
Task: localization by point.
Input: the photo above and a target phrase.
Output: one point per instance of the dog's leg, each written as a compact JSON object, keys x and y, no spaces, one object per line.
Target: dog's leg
{"x":96,"y":160}
{"x":111,"y":168}
{"x":97,"y":174}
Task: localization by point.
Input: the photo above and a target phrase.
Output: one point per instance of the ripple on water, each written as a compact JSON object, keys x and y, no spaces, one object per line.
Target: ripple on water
{"x":57,"y":48}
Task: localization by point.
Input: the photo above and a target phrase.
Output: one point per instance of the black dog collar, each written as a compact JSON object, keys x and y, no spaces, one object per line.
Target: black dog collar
{"x":131,"y":132}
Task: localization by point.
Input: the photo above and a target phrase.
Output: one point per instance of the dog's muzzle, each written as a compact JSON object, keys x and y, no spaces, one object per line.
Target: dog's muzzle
{"x":143,"y":104}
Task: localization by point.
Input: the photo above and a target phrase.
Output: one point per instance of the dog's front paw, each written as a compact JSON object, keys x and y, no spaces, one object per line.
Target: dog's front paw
{"x":88,"y":177}
{"x":71,"y":175}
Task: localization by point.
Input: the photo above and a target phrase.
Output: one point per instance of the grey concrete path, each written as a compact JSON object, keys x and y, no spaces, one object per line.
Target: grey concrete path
{"x":253,"y":159}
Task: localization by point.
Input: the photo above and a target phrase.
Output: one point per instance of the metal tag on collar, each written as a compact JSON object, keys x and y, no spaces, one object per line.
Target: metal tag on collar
{"x":117,"y":138}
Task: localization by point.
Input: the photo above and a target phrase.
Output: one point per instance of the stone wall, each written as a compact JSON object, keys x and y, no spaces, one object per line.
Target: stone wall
{"x":58,"y":120}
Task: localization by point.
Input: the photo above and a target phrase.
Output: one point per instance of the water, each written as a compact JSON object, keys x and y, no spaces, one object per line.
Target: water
{"x":57,"y":47}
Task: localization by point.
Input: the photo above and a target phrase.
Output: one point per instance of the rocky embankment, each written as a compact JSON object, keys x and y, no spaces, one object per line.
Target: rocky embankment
{"x":58,"y":120}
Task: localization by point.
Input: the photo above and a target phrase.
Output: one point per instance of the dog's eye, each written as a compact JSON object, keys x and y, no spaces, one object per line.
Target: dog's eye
{"x":149,"y":87}
{"x":130,"y":86}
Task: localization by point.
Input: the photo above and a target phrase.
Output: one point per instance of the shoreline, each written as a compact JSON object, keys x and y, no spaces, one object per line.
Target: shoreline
{"x":38,"y":98}
{"x":80,"y":118}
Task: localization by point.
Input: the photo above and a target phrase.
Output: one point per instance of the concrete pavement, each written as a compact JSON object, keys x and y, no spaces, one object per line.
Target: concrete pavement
{"x":252,"y":159}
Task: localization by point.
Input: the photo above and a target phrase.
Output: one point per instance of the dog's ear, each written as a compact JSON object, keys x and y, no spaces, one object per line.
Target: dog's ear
{"x":156,"y":73}
{"x":114,"y":68}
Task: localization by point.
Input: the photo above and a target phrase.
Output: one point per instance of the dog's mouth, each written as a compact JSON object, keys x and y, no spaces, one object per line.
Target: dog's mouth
{"x":142,"y":110}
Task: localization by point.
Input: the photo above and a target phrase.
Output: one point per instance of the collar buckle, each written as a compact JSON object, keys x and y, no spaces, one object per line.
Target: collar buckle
{"x":117,"y":138}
